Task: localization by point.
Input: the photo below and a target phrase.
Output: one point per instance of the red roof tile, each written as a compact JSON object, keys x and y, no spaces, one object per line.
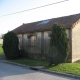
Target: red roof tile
{"x":67,"y":21}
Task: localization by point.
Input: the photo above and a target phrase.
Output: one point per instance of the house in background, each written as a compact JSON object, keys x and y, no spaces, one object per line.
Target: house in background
{"x":1,"y":41}
{"x":34,"y":37}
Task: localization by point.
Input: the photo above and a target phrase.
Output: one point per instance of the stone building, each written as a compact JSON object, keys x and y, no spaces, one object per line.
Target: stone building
{"x":34,"y":37}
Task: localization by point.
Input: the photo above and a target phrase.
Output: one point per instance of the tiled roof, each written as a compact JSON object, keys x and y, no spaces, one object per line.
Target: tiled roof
{"x":43,"y":25}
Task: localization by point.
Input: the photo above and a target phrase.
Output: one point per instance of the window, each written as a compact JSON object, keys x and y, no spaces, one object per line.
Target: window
{"x":43,"y":22}
{"x":49,"y":34}
{"x":31,"y":40}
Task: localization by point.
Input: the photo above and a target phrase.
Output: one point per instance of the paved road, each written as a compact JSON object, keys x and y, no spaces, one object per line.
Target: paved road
{"x":12,"y":72}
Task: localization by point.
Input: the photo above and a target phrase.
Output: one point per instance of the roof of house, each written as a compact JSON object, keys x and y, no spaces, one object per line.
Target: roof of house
{"x":44,"y":25}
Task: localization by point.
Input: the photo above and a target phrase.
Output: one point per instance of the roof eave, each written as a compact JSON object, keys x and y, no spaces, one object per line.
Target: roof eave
{"x":75,"y":24}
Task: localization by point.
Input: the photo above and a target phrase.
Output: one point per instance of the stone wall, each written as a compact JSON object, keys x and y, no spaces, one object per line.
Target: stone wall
{"x":41,"y":43}
{"x":76,"y":42}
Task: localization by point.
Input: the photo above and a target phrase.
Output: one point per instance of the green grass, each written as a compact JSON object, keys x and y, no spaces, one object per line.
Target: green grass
{"x":31,"y":62}
{"x":71,"y":68}
{"x":1,"y":50}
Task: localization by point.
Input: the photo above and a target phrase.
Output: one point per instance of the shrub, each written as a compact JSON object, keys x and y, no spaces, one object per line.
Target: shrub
{"x":59,"y":45}
{"x":10,"y":45}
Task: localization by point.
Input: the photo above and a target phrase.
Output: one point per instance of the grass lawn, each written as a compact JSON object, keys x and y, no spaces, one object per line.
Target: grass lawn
{"x":71,"y":68}
{"x":31,"y":62}
{"x":1,"y":50}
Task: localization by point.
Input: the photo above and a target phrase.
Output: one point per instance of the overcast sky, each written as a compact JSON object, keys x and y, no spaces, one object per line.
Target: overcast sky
{"x":11,"y":22}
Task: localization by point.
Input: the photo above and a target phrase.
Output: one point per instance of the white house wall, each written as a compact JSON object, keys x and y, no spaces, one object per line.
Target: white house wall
{"x":38,"y":38}
{"x":24,"y":41}
{"x":76,"y":42}
{"x":38,"y":42}
{"x":46,"y":41}
{"x":46,"y":34}
{"x":67,"y":32}
{"x":20,"y":40}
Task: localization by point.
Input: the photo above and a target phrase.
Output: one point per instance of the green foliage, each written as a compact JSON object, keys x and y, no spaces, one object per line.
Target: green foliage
{"x":10,"y":45}
{"x":59,"y":45}
{"x":30,"y":62}
{"x":1,"y":50}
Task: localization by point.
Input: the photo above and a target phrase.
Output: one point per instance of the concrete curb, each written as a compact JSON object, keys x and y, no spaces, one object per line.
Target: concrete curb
{"x":42,"y":70}
{"x":59,"y":73}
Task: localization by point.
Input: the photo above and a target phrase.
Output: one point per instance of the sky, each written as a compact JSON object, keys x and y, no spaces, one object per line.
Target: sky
{"x":10,"y":22}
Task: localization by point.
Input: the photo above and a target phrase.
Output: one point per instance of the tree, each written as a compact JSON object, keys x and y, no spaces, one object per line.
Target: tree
{"x":59,"y":45}
{"x":10,"y":45}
